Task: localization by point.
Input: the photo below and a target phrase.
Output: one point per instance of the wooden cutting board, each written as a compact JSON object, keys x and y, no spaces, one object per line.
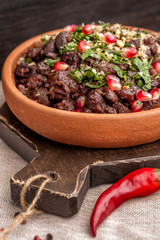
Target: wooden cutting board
{"x":73,"y":169}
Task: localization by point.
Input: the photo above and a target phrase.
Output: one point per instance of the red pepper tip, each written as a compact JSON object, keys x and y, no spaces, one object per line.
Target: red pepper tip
{"x":93,"y":228}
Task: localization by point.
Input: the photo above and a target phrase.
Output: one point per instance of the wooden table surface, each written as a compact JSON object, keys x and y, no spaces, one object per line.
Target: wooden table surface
{"x":20,"y":20}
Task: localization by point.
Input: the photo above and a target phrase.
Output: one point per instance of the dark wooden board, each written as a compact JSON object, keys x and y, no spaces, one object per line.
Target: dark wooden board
{"x":73,"y":169}
{"x":21,"y":20}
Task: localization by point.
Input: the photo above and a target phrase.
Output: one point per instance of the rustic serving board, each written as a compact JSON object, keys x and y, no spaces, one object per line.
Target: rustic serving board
{"x":73,"y":169}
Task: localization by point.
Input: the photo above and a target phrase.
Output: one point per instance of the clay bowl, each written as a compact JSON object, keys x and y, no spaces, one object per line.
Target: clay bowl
{"x":82,"y":129}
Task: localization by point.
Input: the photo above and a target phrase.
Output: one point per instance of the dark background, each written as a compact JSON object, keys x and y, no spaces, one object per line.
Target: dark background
{"x":22,"y":19}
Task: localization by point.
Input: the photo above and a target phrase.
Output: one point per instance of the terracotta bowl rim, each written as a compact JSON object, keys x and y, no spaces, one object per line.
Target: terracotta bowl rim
{"x":8,"y":77}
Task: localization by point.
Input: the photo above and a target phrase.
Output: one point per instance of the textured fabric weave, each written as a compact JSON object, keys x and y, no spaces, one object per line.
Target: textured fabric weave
{"x":135,"y":220}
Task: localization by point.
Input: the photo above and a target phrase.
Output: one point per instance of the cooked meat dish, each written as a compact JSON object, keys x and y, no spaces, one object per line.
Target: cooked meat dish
{"x":93,"y":68}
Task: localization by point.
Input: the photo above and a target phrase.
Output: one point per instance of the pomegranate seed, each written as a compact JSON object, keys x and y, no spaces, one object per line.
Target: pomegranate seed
{"x":2,"y":229}
{"x":78,"y":110}
{"x":113,"y":77}
{"x":156,"y":65}
{"x":88,"y":29}
{"x":114,"y":82}
{"x":144,"y":96}
{"x":155,"y":94}
{"x":83,"y":46}
{"x":36,"y":100}
{"x":70,"y":28}
{"x":20,"y":87}
{"x":129,"y":52}
{"x":136,"y":106}
{"x":80,"y":102}
{"x":37,"y":238}
{"x":110,"y":38}
{"x":60,"y":66}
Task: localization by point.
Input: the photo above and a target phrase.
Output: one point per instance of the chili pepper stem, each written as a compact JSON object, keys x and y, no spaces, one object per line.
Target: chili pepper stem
{"x":157,"y":170}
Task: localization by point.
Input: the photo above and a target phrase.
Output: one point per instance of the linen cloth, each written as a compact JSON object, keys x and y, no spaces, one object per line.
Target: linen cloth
{"x":135,"y":220}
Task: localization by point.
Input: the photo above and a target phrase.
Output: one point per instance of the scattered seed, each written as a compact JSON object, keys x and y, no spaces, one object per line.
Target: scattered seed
{"x":49,"y":236}
{"x":37,"y":238}
{"x":24,"y":221}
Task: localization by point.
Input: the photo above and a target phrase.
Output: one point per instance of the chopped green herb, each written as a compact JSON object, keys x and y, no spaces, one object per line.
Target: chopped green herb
{"x":126,"y":77}
{"x":121,"y":73}
{"x":104,"y":56}
{"x":89,"y":74}
{"x":136,"y":76}
{"x":100,"y":45}
{"x":107,"y":73}
{"x":78,"y":35}
{"x":138,"y":34}
{"x":50,"y":62}
{"x":150,"y":63}
{"x":144,"y":31}
{"x":127,"y":44}
{"x":45,"y":38}
{"x":157,"y":76}
{"x":91,"y":77}
{"x":118,"y":70}
{"x":94,"y":85}
{"x":69,"y":47}
{"x":118,"y":58}
{"x":104,"y":25}
{"x":140,"y":83}
{"x":96,"y":38}
{"x":76,"y":75}
{"x":146,"y":87}
{"x":28,"y":60}
{"x":89,"y":53}
{"x":133,"y":67}
{"x":143,"y":68}
{"x":128,"y":84}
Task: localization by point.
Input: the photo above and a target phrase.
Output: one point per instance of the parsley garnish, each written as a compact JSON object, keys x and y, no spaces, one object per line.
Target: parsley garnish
{"x":50,"y":62}
{"x":144,"y":31}
{"x":89,"y":53}
{"x":150,"y":63}
{"x":118,"y":70}
{"x":136,"y":76}
{"x":143,"y":67}
{"x":133,"y":68}
{"x":28,"y":60}
{"x":91,"y":77}
{"x":138,"y":34}
{"x":76,"y":75}
{"x":157,"y":76}
{"x":128,"y":84}
{"x":69,"y":47}
{"x":127,"y":44}
{"x":121,"y":73}
{"x":45,"y":38}
{"x":78,"y":35}
{"x":118,"y":58}
{"x":103,"y":24}
{"x":95,"y":85}
{"x":140,"y":83}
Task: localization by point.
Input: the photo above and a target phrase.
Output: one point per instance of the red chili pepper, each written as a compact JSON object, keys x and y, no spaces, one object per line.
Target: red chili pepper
{"x":139,"y":183}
